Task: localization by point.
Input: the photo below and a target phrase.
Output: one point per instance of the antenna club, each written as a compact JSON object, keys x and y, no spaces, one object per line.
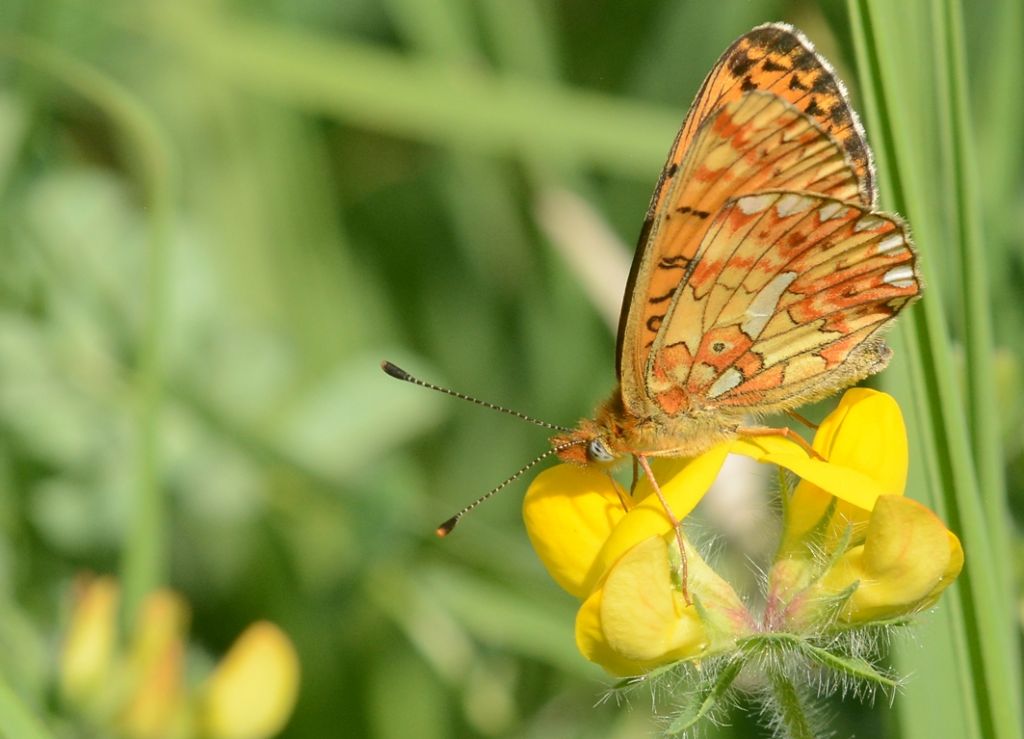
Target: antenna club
{"x":446,"y":528}
{"x":394,"y":370}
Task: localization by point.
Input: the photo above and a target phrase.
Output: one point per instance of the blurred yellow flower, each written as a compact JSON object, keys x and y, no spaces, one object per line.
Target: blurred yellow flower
{"x":848,"y":535}
{"x":141,"y":691}
{"x":153,"y":670}
{"x":253,"y":690}
{"x":87,"y":658}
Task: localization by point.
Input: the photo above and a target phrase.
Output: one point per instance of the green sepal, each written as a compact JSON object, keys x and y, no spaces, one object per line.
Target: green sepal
{"x":706,"y":699}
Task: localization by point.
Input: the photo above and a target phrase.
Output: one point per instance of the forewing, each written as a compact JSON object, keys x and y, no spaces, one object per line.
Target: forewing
{"x":788,"y":294}
{"x":777,"y":58}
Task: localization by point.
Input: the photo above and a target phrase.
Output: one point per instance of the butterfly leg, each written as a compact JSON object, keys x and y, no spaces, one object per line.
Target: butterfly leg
{"x":636,"y":477}
{"x":802,"y":419}
{"x":676,"y":524}
{"x":784,"y":432}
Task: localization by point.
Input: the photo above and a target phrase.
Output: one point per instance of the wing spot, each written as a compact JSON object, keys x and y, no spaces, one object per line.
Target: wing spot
{"x":718,"y":347}
{"x":748,"y":84}
{"x":831,"y":210}
{"x":854,"y":147}
{"x":675,"y":262}
{"x":654,"y":322}
{"x":890,"y":243}
{"x":751,"y":204}
{"x":740,"y":63}
{"x":769,"y":65}
{"x":868,"y":222}
{"x":792,"y":203}
{"x":773,"y":38}
{"x":824,"y":84}
{"x":725,"y":382}
{"x":796,"y":84}
{"x":805,"y":59}
{"x":902,"y":276}
{"x":812,"y":108}
{"x":765,"y":303}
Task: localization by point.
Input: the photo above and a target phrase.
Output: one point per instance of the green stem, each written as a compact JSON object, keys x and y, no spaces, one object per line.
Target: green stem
{"x":144,"y":561}
{"x":791,"y":713}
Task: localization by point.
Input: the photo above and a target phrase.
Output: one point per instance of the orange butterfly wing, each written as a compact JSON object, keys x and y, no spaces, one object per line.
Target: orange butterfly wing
{"x":788,"y":291}
{"x":770,"y":115}
{"x":777,"y":58}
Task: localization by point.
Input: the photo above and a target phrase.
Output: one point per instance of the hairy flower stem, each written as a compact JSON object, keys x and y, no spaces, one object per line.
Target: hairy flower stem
{"x":792,"y":718}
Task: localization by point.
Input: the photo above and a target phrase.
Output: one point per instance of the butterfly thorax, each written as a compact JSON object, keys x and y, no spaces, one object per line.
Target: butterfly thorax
{"x":616,"y":433}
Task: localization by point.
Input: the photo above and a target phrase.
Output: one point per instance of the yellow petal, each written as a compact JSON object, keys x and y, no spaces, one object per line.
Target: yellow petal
{"x":683,"y":482}
{"x":157,"y":702}
{"x":155,"y":667}
{"x":866,"y":433}
{"x":88,"y":652}
{"x":843,"y":482}
{"x":593,"y":645}
{"x":163,"y":619}
{"x":807,"y":507}
{"x":907,"y":557}
{"x":956,"y":564}
{"x":642,"y":614}
{"x":252,"y":692}
{"x":569,"y":513}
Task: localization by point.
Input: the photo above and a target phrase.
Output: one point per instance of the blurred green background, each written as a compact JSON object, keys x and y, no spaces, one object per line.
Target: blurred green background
{"x":216,"y":218}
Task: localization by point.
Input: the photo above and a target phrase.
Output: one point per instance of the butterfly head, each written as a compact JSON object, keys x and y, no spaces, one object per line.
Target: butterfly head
{"x":587,"y":444}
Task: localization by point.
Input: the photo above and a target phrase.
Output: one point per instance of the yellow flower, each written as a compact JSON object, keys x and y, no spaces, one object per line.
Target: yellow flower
{"x":618,"y":553}
{"x":615,"y":552}
{"x":886,"y":556}
{"x":907,"y":559}
{"x":253,"y":690}
{"x":88,"y":654}
{"x":141,"y":691}
{"x":153,"y":670}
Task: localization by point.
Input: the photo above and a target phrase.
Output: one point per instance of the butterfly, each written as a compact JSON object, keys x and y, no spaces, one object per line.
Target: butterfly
{"x":764,"y":277}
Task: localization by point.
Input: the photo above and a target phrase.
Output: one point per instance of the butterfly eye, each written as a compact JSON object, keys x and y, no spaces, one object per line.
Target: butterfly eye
{"x":597,"y":451}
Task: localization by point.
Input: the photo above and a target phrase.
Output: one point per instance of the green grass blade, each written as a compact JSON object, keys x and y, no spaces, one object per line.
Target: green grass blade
{"x":16,"y":720}
{"x":426,"y":99}
{"x":977,"y":308}
{"x":880,"y":37}
{"x":951,"y":67}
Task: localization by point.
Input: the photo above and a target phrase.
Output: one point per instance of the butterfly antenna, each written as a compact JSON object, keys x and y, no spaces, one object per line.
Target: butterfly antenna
{"x":400,"y":374}
{"x":446,"y":528}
